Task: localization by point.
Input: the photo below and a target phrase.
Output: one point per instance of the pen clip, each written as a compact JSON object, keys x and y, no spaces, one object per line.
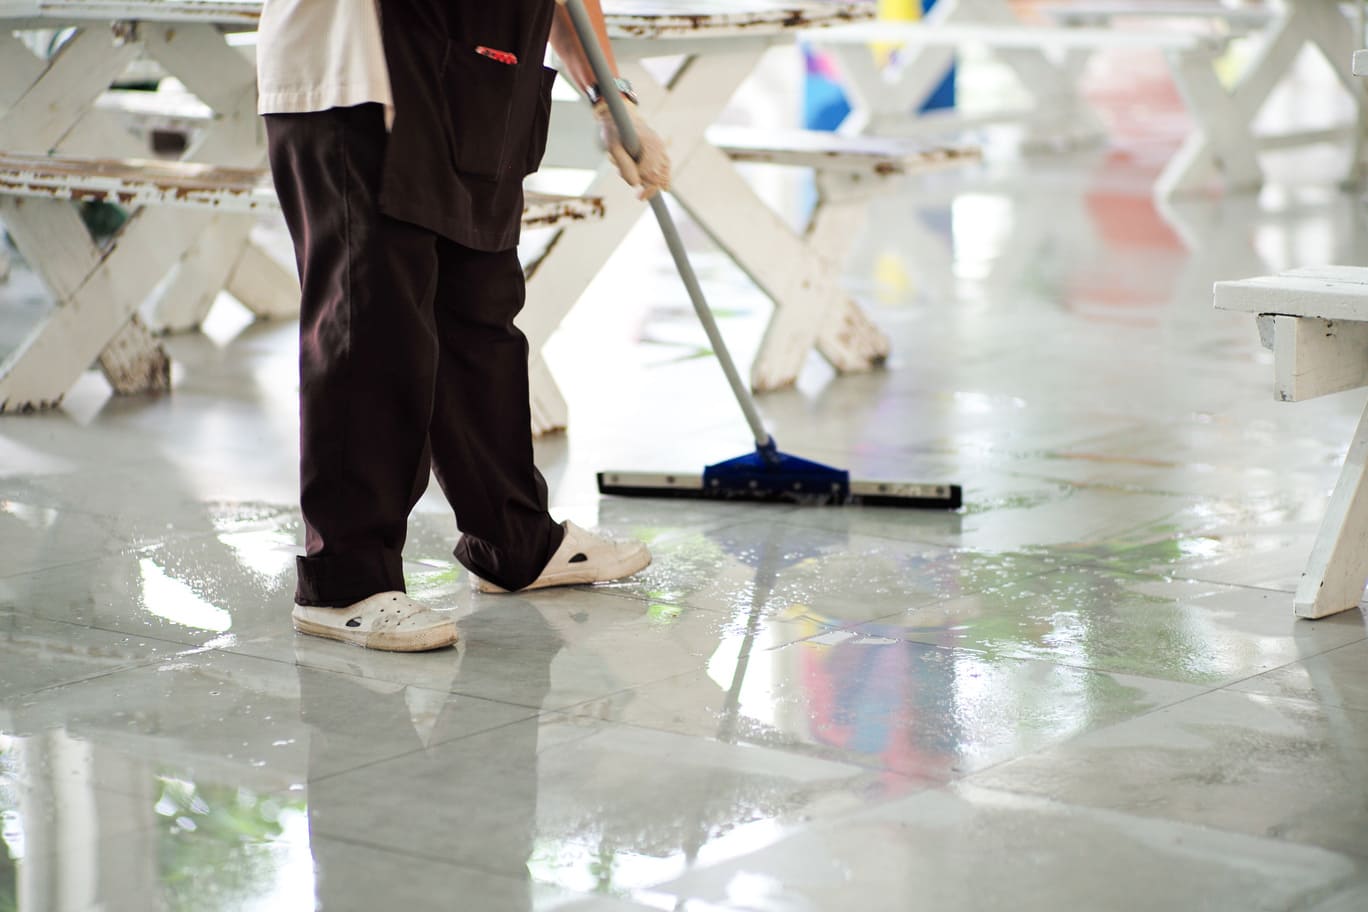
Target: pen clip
{"x":504,"y":57}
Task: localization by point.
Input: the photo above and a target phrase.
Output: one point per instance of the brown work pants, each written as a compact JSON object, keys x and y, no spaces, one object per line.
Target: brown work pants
{"x":408,"y":362}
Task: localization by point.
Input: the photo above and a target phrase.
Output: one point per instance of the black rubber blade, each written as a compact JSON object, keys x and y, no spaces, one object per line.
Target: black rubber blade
{"x":651,"y":484}
{"x":906,"y":495}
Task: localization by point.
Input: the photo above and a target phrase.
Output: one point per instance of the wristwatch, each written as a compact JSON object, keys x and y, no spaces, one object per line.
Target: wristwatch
{"x":622,"y":86}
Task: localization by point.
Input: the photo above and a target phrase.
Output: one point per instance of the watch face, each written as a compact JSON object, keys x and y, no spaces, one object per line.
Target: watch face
{"x":625,"y":87}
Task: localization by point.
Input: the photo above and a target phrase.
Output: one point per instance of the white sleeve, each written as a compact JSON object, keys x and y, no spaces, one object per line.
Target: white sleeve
{"x":313,"y":55}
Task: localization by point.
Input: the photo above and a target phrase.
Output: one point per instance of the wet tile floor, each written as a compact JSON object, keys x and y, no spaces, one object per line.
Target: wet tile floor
{"x":1086,"y":690}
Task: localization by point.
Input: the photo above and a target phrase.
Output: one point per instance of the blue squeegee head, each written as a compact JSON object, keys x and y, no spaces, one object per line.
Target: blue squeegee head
{"x":768,"y":475}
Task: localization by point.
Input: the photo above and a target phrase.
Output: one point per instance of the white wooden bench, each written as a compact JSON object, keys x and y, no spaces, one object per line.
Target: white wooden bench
{"x":1048,"y":62}
{"x":1236,"y":19}
{"x":849,"y":171}
{"x":98,"y":291}
{"x":1315,"y":321}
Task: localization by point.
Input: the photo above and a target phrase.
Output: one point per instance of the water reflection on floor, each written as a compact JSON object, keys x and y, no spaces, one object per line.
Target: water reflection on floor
{"x":1085,"y":690}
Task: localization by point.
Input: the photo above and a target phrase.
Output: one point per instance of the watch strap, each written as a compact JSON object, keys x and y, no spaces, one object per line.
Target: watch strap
{"x":622,"y":85}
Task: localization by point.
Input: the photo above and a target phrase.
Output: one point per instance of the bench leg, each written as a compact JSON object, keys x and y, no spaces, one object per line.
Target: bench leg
{"x":800,"y":280}
{"x":134,"y":362}
{"x":264,"y":285}
{"x":878,"y":106}
{"x":550,"y":414}
{"x":558,"y":280}
{"x":683,"y":112}
{"x":1224,"y":143}
{"x":1338,"y":569}
{"x":1059,"y":117}
{"x":847,"y":337}
{"x":1332,"y":32}
{"x":882,"y":106}
{"x":96,"y":295}
{"x":202,"y":273}
{"x":20,"y":68}
{"x":40,"y":119}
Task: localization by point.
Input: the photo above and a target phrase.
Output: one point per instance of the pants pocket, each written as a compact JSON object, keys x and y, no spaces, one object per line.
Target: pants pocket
{"x":481,"y":94}
{"x":541,"y":123}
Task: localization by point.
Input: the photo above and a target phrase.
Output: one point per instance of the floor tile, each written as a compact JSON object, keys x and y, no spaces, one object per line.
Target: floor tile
{"x":1262,"y":541}
{"x":886,"y":703}
{"x":1247,"y":763}
{"x":1336,"y":678}
{"x":214,"y":713}
{"x":183,"y":844}
{"x":1209,"y":455}
{"x":36,"y":653}
{"x":1349,"y":899}
{"x":588,"y":801}
{"x":345,"y":880}
{"x":841,"y":576}
{"x":971,"y":848}
{"x":228,"y":580}
{"x":68,"y":846}
{"x":34,"y":537}
{"x":1040,"y":514}
{"x":173,"y":845}
{"x":195,"y":591}
{"x":1177,"y":630}
{"x":560,"y":648}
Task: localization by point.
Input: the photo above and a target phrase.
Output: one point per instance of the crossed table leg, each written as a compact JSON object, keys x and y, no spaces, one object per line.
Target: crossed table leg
{"x":1224,"y":142}
{"x":811,"y":310}
{"x":883,"y":105}
{"x":98,"y":291}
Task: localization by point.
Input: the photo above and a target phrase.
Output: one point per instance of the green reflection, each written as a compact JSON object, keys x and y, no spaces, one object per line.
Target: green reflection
{"x":1024,"y":501}
{"x":9,"y":883}
{"x":663,"y":613}
{"x":214,"y":842}
{"x":430,"y":578}
{"x":1134,"y":558}
{"x":1092,"y":611}
{"x":10,"y":841}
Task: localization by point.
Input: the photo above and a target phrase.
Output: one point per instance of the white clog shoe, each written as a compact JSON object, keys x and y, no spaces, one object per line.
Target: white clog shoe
{"x":389,"y":621}
{"x":584,"y":557}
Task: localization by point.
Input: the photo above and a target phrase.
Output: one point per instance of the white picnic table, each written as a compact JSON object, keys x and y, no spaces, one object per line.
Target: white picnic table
{"x":1049,"y":61}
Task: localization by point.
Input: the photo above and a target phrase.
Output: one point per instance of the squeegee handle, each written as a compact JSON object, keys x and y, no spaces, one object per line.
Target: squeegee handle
{"x":603,"y":75}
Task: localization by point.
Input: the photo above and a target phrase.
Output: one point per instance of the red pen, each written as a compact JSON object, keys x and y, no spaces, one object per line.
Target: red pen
{"x":499,"y":56}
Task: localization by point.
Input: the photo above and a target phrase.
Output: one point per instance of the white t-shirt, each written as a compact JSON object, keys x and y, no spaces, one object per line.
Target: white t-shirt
{"x":313,"y":55}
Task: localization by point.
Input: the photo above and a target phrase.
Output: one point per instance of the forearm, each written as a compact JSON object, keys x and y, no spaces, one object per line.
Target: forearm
{"x":567,"y":45}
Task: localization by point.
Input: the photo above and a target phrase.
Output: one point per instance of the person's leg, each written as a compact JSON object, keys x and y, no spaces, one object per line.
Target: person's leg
{"x":481,"y":431}
{"x":367,"y":353}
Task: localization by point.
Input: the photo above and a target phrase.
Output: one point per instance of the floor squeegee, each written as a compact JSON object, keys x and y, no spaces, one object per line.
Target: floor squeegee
{"x":767,"y":474}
